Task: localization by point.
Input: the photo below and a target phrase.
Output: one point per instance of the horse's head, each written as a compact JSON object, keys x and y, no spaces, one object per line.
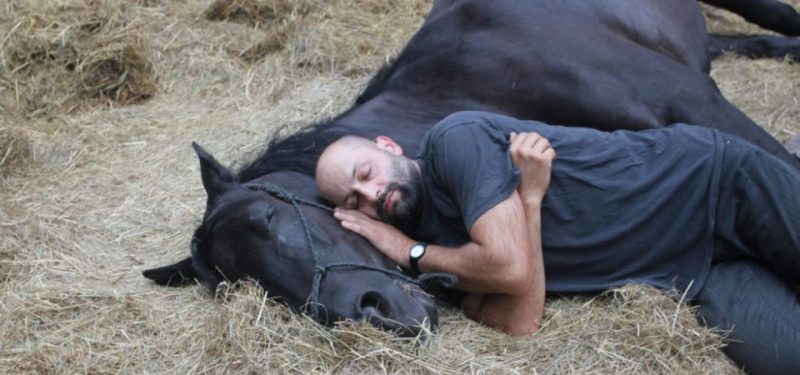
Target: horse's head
{"x":276,"y":231}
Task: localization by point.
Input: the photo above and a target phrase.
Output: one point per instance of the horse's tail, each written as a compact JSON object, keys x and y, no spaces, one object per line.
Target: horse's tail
{"x":179,"y":274}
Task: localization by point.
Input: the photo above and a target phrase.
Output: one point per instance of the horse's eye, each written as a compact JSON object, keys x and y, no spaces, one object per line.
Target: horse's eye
{"x":266,"y":225}
{"x":264,"y":218}
{"x":269,"y":213}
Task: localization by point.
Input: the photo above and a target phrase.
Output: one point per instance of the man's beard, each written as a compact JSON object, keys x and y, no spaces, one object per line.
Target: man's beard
{"x":407,"y":205}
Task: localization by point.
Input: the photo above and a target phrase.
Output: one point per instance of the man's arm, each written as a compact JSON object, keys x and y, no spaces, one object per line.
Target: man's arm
{"x":502,"y":264}
{"x":520,"y":312}
{"x":497,"y":260}
{"x":499,"y":257}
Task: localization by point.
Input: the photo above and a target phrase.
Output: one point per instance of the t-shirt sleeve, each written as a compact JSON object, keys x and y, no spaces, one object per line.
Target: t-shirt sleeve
{"x":471,"y":163}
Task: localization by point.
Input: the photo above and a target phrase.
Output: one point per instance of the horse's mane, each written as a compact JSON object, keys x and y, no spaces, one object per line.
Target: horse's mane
{"x":299,"y":152}
{"x":378,"y":83}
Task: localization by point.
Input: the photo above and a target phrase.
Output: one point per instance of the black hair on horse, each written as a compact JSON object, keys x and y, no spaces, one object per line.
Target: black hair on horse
{"x":298,"y":152}
{"x":377,"y":84}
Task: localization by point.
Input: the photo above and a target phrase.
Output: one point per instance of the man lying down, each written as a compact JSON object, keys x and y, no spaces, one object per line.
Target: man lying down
{"x":517,"y":209}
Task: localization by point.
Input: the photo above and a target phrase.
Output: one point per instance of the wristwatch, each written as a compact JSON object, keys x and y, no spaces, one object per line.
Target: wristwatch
{"x":415,"y":253}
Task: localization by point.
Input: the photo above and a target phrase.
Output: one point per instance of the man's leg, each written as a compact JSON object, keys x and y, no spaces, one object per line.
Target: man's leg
{"x":758,"y":209}
{"x":762,"y":311}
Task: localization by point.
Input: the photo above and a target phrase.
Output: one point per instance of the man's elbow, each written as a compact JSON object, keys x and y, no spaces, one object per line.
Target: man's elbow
{"x":522,"y":330}
{"x":518,"y":279}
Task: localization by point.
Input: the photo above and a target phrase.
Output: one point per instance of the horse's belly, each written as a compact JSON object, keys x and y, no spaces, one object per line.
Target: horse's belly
{"x":673,"y":27}
{"x":560,"y":61}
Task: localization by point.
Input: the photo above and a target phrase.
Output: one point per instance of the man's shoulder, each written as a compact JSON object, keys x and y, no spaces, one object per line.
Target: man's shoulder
{"x":460,"y":127}
{"x":456,"y":121}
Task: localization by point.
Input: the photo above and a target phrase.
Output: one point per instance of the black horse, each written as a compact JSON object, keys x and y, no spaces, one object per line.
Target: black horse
{"x":604,"y":64}
{"x":263,"y":230}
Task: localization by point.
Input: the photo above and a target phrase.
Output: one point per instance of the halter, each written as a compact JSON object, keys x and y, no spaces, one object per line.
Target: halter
{"x":423,"y":280}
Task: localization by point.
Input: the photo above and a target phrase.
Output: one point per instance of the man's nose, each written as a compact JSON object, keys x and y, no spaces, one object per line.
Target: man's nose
{"x":368,"y":192}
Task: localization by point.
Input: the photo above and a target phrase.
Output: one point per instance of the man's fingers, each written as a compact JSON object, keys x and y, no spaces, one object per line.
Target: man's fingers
{"x":350,"y":219}
{"x":531,"y":144}
{"x":353,"y":227}
{"x":357,"y":225}
{"x":541,"y":145}
{"x":550,"y":154}
{"x":522,"y":142}
{"x":341,"y":213}
{"x":530,"y":147}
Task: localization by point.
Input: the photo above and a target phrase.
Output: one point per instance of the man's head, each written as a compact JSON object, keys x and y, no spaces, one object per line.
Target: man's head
{"x":371,"y":176}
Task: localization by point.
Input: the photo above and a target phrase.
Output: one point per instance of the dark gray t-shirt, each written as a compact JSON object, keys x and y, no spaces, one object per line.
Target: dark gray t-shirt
{"x":622,"y":207}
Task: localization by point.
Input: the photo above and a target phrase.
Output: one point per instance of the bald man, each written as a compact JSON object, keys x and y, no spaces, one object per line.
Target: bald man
{"x":683,"y":208}
{"x":501,"y":265}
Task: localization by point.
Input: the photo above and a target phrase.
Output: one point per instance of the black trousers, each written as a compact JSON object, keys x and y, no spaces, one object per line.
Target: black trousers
{"x":750,"y":288}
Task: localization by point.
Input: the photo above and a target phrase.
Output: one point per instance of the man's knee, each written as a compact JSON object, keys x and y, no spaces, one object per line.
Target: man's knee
{"x":760,"y":311}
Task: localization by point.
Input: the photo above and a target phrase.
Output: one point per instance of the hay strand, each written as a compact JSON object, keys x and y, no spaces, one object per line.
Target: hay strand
{"x":15,"y":150}
{"x":60,"y":60}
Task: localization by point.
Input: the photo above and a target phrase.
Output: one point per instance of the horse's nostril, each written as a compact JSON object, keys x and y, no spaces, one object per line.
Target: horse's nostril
{"x":372,"y":302}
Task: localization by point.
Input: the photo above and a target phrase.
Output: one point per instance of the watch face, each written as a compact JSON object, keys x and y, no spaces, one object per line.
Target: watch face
{"x":416,"y":251}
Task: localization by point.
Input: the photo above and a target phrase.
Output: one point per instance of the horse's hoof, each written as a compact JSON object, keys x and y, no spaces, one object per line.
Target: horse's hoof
{"x":793,"y":145}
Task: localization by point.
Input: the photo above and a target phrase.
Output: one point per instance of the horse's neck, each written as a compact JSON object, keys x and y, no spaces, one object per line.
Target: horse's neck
{"x":402,"y":118}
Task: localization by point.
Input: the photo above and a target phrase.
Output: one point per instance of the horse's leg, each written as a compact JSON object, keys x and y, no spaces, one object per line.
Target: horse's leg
{"x":769,"y":14}
{"x":793,"y":145}
{"x":755,"y":46}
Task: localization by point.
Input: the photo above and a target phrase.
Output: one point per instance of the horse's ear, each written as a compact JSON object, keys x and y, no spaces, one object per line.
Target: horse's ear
{"x":177,"y":274}
{"x":216,"y":178}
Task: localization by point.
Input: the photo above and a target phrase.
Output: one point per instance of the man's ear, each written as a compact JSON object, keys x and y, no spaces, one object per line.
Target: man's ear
{"x":387,"y":144}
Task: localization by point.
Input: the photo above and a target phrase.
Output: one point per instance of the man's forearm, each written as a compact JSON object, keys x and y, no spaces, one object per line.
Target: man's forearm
{"x":475,"y":271}
{"x":533,"y":217}
{"x":501,"y":258}
{"x":512,"y":314}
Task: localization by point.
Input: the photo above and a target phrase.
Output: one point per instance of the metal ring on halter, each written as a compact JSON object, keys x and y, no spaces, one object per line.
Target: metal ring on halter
{"x":447,"y":280}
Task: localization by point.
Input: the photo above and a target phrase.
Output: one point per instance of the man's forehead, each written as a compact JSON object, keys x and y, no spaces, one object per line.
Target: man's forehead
{"x":341,"y":157}
{"x":336,"y":167}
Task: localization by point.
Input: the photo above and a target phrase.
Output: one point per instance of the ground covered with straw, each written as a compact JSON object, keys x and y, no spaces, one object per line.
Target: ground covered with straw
{"x":99,"y":101}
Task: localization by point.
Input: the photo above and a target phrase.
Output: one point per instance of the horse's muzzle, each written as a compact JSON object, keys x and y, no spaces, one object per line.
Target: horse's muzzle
{"x":418,"y":316}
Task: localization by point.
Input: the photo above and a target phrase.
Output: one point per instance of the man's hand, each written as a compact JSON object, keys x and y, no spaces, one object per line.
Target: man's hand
{"x":386,"y":238}
{"x":533,"y":155}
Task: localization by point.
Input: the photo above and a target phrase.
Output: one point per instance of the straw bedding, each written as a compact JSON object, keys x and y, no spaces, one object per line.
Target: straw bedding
{"x":99,"y":101}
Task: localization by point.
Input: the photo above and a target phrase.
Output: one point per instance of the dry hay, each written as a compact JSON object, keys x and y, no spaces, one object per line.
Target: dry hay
{"x":630,"y":330}
{"x":15,"y":149}
{"x":344,"y":36}
{"x":766,"y":90}
{"x":69,"y":57}
{"x":258,"y":12}
{"x":116,"y":189}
